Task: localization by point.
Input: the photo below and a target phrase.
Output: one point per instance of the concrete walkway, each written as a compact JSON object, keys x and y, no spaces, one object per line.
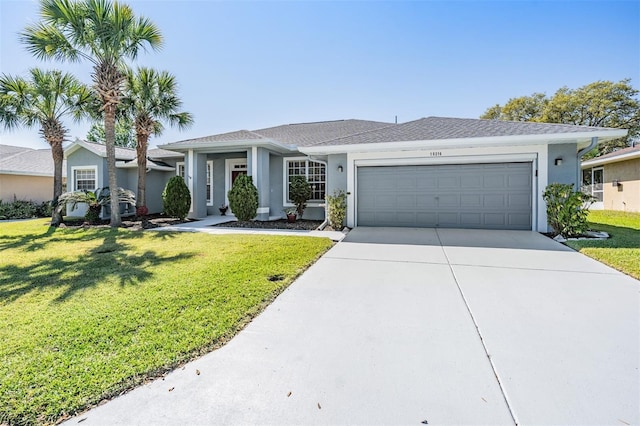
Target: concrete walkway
{"x":206,"y":225}
{"x":408,"y":326}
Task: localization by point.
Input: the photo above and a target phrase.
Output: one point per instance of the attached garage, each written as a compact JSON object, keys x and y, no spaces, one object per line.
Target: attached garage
{"x":482,"y":196}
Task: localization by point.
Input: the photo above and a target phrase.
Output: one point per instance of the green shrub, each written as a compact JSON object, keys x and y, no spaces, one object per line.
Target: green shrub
{"x":243,"y":198}
{"x":94,"y":200}
{"x":337,"y":208}
{"x":567,"y":209}
{"x":299,"y":193}
{"x":176,"y":198}
{"x":21,"y":209}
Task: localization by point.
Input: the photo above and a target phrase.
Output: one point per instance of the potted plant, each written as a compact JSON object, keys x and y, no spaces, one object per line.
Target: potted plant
{"x":291,"y":214}
{"x":223,"y":210}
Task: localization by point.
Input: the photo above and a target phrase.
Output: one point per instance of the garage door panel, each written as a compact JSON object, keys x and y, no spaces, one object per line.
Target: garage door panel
{"x":494,"y":196}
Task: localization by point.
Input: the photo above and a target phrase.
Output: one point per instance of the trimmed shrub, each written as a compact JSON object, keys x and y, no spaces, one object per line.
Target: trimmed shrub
{"x":567,"y":209}
{"x":337,"y":208}
{"x":299,"y":193}
{"x":243,"y":198}
{"x":21,"y":209}
{"x":176,"y":198}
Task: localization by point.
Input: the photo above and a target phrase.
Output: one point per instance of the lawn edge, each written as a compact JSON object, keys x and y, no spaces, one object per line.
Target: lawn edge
{"x":132,"y":383}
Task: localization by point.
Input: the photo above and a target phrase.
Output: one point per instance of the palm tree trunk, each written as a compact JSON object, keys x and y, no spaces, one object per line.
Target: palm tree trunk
{"x":58,"y":155}
{"x":141,"y":153}
{"x":110,"y":142}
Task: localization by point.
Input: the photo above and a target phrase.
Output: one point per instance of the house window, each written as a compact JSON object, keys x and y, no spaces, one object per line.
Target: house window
{"x":180,"y":169}
{"x":315,"y":173}
{"x":592,"y":182}
{"x":84,"y":178}
{"x":210,"y":183}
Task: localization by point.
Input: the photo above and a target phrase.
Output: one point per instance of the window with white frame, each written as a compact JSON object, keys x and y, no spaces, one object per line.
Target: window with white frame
{"x":210,"y":183}
{"x":180,"y":169}
{"x":592,"y":182}
{"x":314,"y":172}
{"x":84,"y":179}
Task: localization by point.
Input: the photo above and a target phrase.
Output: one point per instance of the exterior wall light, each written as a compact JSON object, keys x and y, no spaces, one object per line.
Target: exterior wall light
{"x":558,"y":161}
{"x":340,"y":169}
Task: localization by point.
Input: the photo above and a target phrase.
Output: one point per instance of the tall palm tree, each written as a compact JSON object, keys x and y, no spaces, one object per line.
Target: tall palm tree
{"x":42,"y":101}
{"x":105,"y":33}
{"x":151,"y":97}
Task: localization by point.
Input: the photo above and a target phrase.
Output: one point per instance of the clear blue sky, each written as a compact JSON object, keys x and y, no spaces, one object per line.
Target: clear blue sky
{"x":248,"y":65}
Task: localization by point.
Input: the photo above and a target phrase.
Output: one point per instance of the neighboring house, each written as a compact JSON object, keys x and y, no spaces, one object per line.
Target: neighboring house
{"x":614,"y":180}
{"x":431,"y":172}
{"x":87,"y":170}
{"x":26,"y":174}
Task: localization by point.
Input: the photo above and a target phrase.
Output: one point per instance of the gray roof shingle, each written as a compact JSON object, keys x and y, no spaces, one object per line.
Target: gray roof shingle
{"x":26,"y":161}
{"x":434,"y":128}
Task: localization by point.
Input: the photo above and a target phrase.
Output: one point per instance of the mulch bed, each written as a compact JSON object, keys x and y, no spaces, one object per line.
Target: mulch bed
{"x":131,"y":222}
{"x":299,"y":225}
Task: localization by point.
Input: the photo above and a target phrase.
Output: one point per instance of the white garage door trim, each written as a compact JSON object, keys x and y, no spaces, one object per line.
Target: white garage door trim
{"x":453,"y":160}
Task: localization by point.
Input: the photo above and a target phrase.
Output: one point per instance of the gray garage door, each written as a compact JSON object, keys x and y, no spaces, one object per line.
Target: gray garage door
{"x":487,"y":196}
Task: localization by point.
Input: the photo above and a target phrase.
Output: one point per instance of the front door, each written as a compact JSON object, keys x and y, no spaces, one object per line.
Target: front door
{"x":235,"y":167}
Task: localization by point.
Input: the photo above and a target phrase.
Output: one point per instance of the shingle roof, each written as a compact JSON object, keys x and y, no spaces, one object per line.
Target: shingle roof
{"x":299,"y":134}
{"x":619,"y":152}
{"x":239,"y":135}
{"x":126,"y":154}
{"x":306,"y":134}
{"x":434,"y":128}
{"x":26,"y":161}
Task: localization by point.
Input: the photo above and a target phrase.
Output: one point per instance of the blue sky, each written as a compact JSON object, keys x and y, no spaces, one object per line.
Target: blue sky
{"x":249,"y":65}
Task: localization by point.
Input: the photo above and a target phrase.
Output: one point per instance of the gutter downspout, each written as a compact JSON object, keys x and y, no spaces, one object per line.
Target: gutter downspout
{"x":593,"y":144}
{"x":326,"y":206}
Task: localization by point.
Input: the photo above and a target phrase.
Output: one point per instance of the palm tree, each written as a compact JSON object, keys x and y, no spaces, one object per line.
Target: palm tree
{"x":151,"y":97}
{"x":105,"y":33}
{"x":42,"y":101}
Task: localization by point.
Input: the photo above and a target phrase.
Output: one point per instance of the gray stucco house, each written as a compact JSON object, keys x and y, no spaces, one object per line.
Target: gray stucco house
{"x":431,"y":172}
{"x":87,"y":170}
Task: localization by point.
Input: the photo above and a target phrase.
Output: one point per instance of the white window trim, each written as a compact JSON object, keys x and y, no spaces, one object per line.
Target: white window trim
{"x":593,"y":191}
{"x":210,"y":166}
{"x":178,"y":164}
{"x":73,"y":175}
{"x":285,"y":182}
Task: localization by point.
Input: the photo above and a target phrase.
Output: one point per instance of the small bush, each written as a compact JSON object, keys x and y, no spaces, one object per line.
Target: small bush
{"x":299,"y":193}
{"x":337,"y":208}
{"x":176,"y":198}
{"x":567,"y":209}
{"x":142,"y":211}
{"x":21,"y":209}
{"x":243,"y":198}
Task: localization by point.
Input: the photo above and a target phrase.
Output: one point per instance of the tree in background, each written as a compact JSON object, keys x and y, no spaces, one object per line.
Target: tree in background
{"x":601,"y":104}
{"x":105,"y":33}
{"x":42,"y":101}
{"x":151,"y":98}
{"x":124,"y":133}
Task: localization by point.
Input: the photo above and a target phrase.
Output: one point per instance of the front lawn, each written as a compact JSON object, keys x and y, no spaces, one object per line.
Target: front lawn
{"x":88,"y":313}
{"x":622,"y":250}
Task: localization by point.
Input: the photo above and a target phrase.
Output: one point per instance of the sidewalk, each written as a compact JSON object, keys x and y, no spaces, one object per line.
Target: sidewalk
{"x":206,"y":225}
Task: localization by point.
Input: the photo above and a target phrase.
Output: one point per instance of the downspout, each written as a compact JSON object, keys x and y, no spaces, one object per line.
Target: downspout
{"x":326,"y":206}
{"x":593,"y":144}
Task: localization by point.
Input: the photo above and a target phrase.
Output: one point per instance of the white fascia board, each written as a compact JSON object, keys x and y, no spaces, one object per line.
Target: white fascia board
{"x":465,"y":142}
{"x":225,"y":146}
{"x":25,"y":173}
{"x":150,"y":166}
{"x":598,"y":162}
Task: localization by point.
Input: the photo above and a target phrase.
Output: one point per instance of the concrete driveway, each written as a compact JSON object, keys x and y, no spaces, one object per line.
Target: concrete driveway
{"x":417,"y":326}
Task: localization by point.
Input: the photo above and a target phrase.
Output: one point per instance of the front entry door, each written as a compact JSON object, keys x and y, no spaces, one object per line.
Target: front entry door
{"x":235,"y":168}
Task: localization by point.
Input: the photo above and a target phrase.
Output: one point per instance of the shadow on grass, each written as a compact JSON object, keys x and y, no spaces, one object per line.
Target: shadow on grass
{"x":110,"y":259}
{"x":621,"y":237}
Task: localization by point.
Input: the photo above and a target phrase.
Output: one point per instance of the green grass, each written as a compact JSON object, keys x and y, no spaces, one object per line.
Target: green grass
{"x":622,"y":250}
{"x":88,"y":313}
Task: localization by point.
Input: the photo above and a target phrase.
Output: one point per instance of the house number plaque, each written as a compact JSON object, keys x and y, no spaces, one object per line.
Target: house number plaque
{"x":436,"y":153}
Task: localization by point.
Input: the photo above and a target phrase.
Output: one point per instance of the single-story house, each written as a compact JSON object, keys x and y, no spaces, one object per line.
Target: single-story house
{"x":431,"y":172}
{"x":614,"y":180}
{"x":86,"y":167}
{"x":26,"y":174}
